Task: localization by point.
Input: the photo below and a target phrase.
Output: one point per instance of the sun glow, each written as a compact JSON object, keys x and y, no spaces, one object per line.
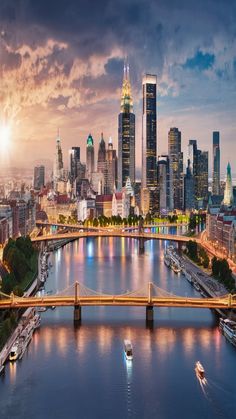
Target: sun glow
{"x":5,"y":135}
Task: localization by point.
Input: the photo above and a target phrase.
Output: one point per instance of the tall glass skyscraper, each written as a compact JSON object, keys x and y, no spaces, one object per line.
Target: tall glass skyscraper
{"x":74,"y":159}
{"x":149,"y":132}
{"x":216,"y":163}
{"x":90,"y":156}
{"x":176,"y":168}
{"x":126,"y":134}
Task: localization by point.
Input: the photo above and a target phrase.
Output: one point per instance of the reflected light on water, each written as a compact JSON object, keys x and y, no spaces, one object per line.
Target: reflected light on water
{"x":12,"y":371}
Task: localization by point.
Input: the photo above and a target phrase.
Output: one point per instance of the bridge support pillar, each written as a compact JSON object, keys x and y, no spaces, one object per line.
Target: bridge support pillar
{"x":141,"y":242}
{"x":149,"y":314}
{"x":77,"y":314}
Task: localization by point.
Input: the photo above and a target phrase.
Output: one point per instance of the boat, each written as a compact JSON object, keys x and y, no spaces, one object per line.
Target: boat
{"x":175,"y":268}
{"x":41,"y":309}
{"x":14,"y":352}
{"x":167,"y":261}
{"x":200,"y":370}
{"x":196,"y":286}
{"x":229,"y":330}
{"x":128,"y":349}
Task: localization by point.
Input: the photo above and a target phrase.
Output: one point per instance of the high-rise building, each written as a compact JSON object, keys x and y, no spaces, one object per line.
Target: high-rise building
{"x":74,"y":159}
{"x":216,"y":163}
{"x":163,"y":182}
{"x":149,"y":132}
{"x":90,"y":156}
{"x":228,"y":193}
{"x":39,"y":177}
{"x":176,"y":167}
{"x":102,"y":163}
{"x":126,"y":133}
{"x":111,"y":160}
{"x":189,"y":188}
{"x":58,"y":162}
{"x":198,"y":168}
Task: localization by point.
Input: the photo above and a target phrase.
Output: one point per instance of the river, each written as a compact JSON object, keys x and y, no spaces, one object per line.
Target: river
{"x":81,"y":372}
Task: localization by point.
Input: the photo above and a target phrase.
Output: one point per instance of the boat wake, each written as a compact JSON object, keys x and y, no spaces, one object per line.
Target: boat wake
{"x":208,"y":392}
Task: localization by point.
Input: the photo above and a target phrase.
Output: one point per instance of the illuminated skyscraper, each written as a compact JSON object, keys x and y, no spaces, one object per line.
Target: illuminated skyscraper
{"x":216,"y":163}
{"x":176,"y":167}
{"x":126,"y":133}
{"x":58,"y":162}
{"x":111,"y":160}
{"x":90,"y":156}
{"x":149,"y":132}
{"x":228,"y":194}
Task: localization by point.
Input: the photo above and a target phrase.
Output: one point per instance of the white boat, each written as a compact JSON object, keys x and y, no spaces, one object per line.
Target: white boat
{"x":14,"y":352}
{"x":199,"y":370}
{"x":41,"y":309}
{"x":176,"y":268}
{"x":128,"y":349}
{"x":229,"y":330}
{"x":196,"y":286}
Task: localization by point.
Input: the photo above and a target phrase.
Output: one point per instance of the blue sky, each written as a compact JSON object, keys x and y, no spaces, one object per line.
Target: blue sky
{"x":62,"y":60}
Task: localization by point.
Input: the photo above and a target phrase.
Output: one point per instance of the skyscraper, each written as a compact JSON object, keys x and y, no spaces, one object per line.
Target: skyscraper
{"x":90,"y":156}
{"x":189,"y":188}
{"x":228,"y":193}
{"x":198,"y":167}
{"x":176,"y":167}
{"x":216,"y":163}
{"x":74,"y":159}
{"x":163,"y":182}
{"x":101,"y":163}
{"x":58,"y":162}
{"x":149,"y":132}
{"x":39,"y":177}
{"x":126,"y":133}
{"x":111,"y":160}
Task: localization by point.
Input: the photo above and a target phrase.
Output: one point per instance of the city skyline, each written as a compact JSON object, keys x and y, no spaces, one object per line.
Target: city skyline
{"x":67,"y":78}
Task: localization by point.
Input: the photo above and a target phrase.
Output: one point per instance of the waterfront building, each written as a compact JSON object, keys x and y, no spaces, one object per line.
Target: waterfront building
{"x":126,"y":133}
{"x":74,"y":161}
{"x":86,"y":209}
{"x":176,"y":167}
{"x":104,"y":205}
{"x":90,"y":156}
{"x":163,"y":182}
{"x":216,"y":163}
{"x":221,"y":220}
{"x":39,"y":177}
{"x":144,"y":201}
{"x":121,"y":204}
{"x":149,"y":131}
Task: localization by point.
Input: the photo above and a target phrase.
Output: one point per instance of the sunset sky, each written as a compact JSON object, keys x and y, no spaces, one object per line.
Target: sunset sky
{"x":61,"y":65}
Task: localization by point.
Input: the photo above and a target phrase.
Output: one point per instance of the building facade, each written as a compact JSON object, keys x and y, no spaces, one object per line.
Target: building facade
{"x":126,"y":133}
{"x":216,"y":163}
{"x":90,"y":157}
{"x":176,"y":168}
{"x":39,"y":177}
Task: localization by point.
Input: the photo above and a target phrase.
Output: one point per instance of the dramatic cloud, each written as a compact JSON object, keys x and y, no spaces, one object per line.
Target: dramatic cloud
{"x":61,"y":63}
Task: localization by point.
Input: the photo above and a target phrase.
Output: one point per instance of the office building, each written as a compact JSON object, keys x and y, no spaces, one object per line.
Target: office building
{"x":176,"y":167}
{"x":216,"y":163}
{"x":126,"y":133}
{"x":39,"y":177}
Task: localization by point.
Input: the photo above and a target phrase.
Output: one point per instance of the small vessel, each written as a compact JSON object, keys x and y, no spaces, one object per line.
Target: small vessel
{"x":196,"y":286}
{"x":128,"y":349}
{"x":229,"y":329}
{"x":15,"y":352}
{"x":176,"y":268}
{"x":167,"y":261}
{"x":41,"y":309}
{"x":200,"y":370}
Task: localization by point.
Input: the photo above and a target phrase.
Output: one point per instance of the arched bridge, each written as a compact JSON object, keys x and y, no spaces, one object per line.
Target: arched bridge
{"x":149,"y":296}
{"x":73,"y":235}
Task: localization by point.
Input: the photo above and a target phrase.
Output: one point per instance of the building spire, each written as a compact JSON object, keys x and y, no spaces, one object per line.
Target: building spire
{"x":126,"y":94}
{"x":228,"y":193}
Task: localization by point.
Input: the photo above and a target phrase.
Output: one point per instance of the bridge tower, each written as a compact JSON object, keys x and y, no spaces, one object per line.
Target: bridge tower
{"x":77,"y":306}
{"x":149,"y":307}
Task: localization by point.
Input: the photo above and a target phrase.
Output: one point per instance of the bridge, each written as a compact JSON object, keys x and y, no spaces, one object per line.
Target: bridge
{"x":150,"y":295}
{"x":73,"y":235}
